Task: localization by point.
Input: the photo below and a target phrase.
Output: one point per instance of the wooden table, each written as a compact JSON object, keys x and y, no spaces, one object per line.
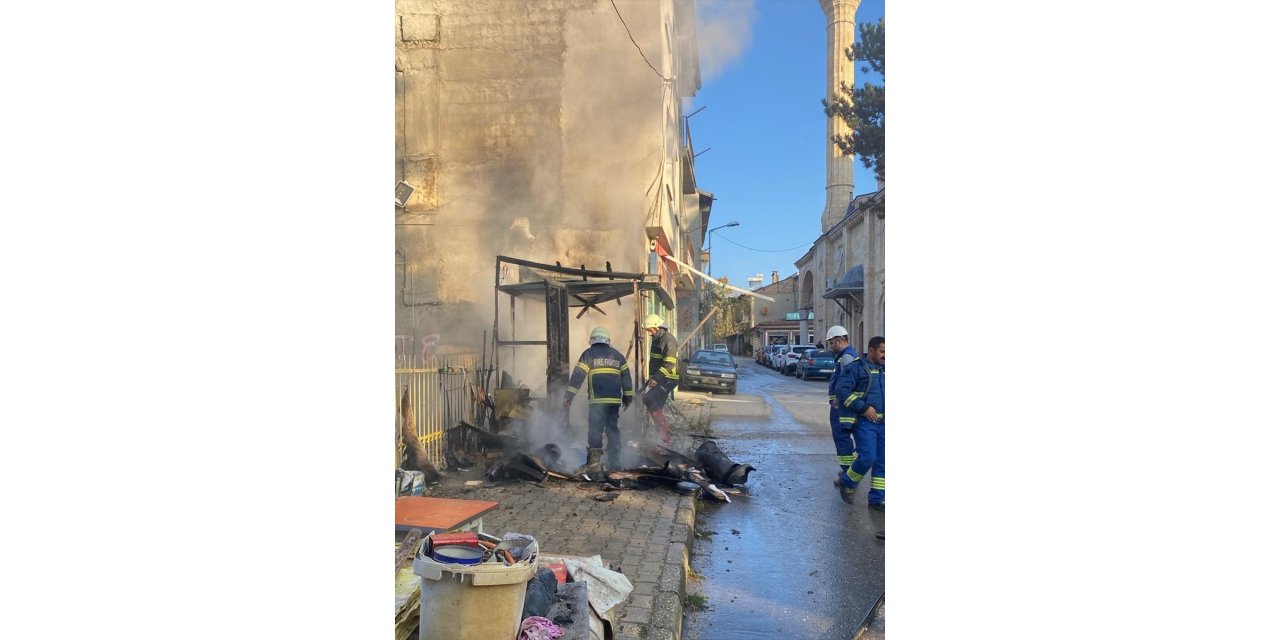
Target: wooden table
{"x":441,"y":514}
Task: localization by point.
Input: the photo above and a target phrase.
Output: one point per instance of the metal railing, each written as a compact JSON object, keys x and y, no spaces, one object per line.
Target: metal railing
{"x":441,"y":391}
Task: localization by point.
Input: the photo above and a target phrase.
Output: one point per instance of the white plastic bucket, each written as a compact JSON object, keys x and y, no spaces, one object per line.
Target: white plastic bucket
{"x":472,"y":602}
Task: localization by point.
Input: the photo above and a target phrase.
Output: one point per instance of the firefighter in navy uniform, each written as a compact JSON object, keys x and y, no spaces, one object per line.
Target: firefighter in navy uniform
{"x":664,"y":374}
{"x":866,"y":401}
{"x":842,"y":420}
{"x":609,"y":391}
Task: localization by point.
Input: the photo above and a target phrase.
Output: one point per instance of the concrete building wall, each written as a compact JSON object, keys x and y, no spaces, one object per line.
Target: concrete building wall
{"x":534,"y":130}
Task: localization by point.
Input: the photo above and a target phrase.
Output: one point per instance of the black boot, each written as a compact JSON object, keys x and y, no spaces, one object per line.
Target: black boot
{"x":592,"y":468}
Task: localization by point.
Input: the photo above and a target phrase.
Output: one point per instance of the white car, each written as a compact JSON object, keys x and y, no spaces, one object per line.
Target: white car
{"x":720,"y":347}
{"x":778,"y":356}
{"x":787,"y":361}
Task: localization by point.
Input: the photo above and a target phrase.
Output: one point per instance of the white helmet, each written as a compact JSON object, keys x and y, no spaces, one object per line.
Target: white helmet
{"x":837,"y":332}
{"x":599,"y":335}
{"x":654,"y":320}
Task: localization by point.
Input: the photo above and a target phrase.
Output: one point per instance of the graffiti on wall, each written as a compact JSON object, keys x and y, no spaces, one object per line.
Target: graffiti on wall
{"x":416,"y":349}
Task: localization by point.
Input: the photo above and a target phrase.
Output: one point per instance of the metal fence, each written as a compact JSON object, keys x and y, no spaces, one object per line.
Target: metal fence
{"x":441,"y":391}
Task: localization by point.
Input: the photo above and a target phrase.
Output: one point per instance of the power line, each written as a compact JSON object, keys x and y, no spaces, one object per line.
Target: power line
{"x":722,"y":237}
{"x":633,"y":41}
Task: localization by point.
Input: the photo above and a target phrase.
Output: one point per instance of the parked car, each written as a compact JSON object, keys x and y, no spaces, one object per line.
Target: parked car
{"x":791,"y":356}
{"x":720,"y":347}
{"x":709,"y":369}
{"x":766,"y":356}
{"x":816,"y":363}
{"x":777,"y":356}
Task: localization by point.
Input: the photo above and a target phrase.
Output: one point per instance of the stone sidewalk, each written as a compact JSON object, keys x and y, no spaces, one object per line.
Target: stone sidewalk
{"x":647,"y":535}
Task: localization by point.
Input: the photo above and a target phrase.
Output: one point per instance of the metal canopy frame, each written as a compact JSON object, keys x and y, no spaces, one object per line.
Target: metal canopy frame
{"x":562,"y":288}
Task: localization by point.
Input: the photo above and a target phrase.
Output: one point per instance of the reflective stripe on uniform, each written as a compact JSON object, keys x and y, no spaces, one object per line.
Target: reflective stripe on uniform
{"x":877,"y":483}
{"x":605,"y":401}
{"x":854,"y":476}
{"x":848,"y":419}
{"x":845,"y":461}
{"x":853,"y":396}
{"x":584,"y":367}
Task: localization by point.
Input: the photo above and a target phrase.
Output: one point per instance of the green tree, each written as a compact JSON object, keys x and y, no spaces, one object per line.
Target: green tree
{"x":862,"y":108}
{"x":734,"y":315}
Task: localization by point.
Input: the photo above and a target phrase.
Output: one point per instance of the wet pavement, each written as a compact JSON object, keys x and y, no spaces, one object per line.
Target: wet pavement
{"x":791,"y":559}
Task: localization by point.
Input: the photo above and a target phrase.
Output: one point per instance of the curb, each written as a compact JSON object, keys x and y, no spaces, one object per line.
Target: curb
{"x":673,"y":584}
{"x":667,"y":621}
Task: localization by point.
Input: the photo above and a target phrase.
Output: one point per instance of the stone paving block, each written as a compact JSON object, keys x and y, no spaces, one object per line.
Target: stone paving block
{"x":637,"y":614}
{"x":682,"y":533}
{"x":685,"y":516}
{"x":643,"y":601}
{"x":644,"y":533}
{"x":672,"y":580}
{"x":631,"y":630}
{"x":677,"y":553}
{"x":668,"y":609}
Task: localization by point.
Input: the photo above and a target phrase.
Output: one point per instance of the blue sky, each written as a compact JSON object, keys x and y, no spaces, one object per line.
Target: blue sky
{"x":765,"y":129}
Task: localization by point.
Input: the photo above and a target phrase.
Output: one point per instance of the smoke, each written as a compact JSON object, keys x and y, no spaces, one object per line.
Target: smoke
{"x":724,"y":33}
{"x":544,"y":135}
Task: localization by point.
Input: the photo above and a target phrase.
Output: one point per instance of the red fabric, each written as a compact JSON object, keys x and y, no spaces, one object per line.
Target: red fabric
{"x":562,"y":572}
{"x":664,"y":427}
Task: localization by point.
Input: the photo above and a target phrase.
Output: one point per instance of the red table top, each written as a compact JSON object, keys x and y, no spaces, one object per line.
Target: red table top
{"x":438,"y":514}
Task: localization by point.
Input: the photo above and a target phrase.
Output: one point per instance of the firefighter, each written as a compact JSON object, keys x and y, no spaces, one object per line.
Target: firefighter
{"x":663,"y":373}
{"x":866,"y":401}
{"x":842,"y":420}
{"x":609,"y":392}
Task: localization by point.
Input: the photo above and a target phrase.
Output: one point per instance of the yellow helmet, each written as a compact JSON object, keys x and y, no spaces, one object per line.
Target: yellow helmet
{"x":654,"y":320}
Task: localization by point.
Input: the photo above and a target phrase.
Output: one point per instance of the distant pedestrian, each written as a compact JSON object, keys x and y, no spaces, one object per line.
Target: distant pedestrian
{"x":867,"y":401}
{"x":604,"y":369}
{"x":842,"y":418}
{"x":663,"y":373}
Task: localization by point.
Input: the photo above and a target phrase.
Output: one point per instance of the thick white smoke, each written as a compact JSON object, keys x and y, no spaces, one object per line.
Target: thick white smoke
{"x":724,"y":33}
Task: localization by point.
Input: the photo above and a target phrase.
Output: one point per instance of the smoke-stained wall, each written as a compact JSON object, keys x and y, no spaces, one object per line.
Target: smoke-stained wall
{"x":529,"y":129}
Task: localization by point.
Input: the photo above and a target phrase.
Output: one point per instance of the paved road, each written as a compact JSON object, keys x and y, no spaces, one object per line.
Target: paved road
{"x":790,"y":560}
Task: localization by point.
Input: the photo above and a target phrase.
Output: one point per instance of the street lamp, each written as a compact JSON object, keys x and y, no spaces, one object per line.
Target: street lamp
{"x":709,"y":232}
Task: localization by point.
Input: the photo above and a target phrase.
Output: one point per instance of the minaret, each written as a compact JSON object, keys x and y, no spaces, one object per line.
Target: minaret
{"x":840,"y":33}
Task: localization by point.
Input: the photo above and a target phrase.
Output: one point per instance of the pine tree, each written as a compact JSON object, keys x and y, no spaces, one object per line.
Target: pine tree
{"x":862,"y":108}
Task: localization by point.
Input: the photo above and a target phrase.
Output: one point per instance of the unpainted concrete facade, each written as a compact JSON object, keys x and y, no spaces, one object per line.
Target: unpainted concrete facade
{"x":537,"y":130}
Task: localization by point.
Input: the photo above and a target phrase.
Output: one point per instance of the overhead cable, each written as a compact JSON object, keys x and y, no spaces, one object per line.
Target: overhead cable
{"x":633,"y":41}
